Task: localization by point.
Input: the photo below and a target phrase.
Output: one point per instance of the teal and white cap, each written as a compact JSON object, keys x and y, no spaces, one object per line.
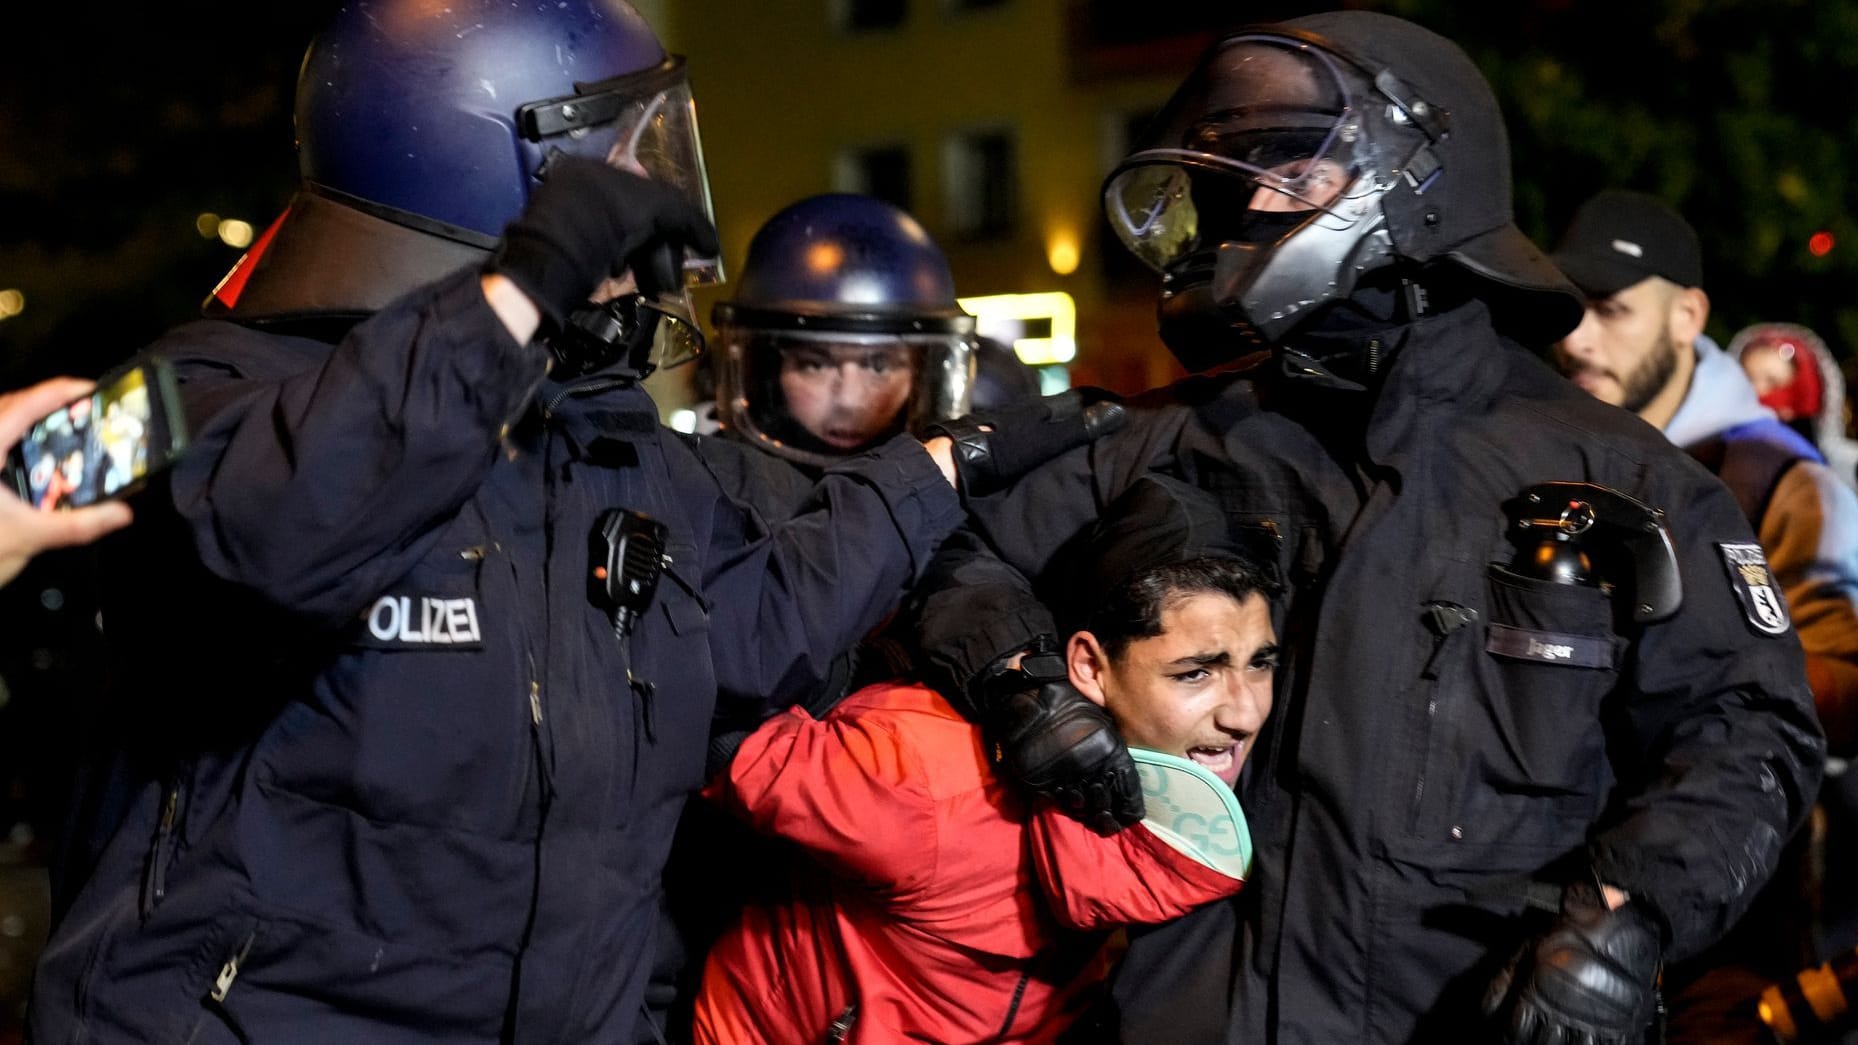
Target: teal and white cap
{"x":1194,"y":812}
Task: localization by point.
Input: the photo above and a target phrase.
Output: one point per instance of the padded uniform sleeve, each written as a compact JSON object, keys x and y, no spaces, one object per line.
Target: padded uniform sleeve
{"x":315,"y":477}
{"x":812,"y":584}
{"x":1730,"y":748}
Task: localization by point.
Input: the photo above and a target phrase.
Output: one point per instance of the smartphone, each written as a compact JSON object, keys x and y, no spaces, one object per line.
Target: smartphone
{"x":102,"y":445}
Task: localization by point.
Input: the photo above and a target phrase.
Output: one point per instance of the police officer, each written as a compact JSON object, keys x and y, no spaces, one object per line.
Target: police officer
{"x":1494,"y":801}
{"x":843,"y":331}
{"x":420,"y":643}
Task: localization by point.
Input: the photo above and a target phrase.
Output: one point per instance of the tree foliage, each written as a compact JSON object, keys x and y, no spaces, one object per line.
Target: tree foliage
{"x":1737,"y":112}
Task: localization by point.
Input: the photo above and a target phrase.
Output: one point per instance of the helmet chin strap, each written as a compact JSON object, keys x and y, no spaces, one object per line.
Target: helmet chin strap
{"x":1351,"y":343}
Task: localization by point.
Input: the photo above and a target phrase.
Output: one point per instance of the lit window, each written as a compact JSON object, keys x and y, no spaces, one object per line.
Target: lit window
{"x":860,"y":16}
{"x":983,"y":184}
{"x":882,"y":171}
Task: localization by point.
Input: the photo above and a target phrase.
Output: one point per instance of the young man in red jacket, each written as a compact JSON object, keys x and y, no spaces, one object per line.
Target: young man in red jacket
{"x":931,"y":901}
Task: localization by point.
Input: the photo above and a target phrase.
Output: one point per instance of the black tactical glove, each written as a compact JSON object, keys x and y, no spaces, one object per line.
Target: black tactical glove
{"x":1591,"y":979}
{"x":1055,"y":742}
{"x":994,"y":448}
{"x":587,"y":222}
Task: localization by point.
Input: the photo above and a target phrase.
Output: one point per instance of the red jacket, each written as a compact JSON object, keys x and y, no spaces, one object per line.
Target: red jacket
{"x":949,"y":912}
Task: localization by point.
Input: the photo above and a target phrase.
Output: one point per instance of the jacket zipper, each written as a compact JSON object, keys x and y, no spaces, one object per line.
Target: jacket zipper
{"x":585,"y":386}
{"x":160,"y":850}
{"x":1443,"y":619}
{"x":222,"y":986}
{"x":1019,"y":995}
{"x":534,"y":695}
{"x":840,"y":1030}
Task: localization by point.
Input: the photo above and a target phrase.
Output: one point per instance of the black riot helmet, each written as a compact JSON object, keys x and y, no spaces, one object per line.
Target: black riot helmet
{"x":1300,"y":159}
{"x":844,"y":332}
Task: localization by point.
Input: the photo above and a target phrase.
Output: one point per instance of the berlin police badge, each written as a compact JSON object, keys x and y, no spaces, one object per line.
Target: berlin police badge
{"x":1755,"y":588}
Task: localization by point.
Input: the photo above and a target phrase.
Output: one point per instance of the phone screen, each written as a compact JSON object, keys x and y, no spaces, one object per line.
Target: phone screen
{"x":101,"y":445}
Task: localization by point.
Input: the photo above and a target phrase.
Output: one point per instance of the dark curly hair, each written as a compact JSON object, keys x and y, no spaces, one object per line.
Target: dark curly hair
{"x":1133,"y":609}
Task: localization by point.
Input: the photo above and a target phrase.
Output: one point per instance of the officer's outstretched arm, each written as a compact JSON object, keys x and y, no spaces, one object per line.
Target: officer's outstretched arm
{"x":990,"y":451}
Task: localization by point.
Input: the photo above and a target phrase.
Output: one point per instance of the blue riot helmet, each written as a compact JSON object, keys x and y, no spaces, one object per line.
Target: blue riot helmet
{"x":1303,"y":160}
{"x":422,"y":128}
{"x":844,"y":332}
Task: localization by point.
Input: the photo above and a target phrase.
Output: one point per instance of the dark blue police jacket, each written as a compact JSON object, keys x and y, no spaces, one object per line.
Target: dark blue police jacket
{"x":394,"y":776}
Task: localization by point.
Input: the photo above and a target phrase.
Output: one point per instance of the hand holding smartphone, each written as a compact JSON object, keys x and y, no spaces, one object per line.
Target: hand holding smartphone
{"x":103,"y":444}
{"x":25,"y":530}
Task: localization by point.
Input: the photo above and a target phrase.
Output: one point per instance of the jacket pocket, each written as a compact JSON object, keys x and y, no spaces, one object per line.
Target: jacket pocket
{"x":672,"y":679}
{"x":1550,"y":659}
{"x":277,"y":978}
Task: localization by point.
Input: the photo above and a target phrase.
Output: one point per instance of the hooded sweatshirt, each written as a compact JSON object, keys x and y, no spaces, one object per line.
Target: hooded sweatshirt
{"x":932,"y":902}
{"x":1720,"y":398}
{"x":1828,"y":418}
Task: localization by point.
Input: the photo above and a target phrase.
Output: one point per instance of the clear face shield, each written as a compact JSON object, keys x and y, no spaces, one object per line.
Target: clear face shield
{"x":1263,"y":178}
{"x":646,"y":123}
{"x":816,"y":396}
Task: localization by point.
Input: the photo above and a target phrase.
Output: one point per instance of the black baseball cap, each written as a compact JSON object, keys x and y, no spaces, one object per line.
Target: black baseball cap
{"x":1619,"y":238}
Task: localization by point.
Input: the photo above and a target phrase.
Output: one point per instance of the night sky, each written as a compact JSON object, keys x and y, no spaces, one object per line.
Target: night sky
{"x":118,"y":134}
{"x":121,"y":131}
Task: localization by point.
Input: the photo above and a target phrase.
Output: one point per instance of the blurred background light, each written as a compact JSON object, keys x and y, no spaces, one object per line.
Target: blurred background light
{"x":235,"y":233}
{"x":1061,"y":251}
{"x":1041,"y":327}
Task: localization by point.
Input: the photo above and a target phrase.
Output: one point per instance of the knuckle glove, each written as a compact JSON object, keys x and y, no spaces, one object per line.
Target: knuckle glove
{"x":1056,"y":743}
{"x":995,"y":448}
{"x":1591,"y":978}
{"x":587,"y":222}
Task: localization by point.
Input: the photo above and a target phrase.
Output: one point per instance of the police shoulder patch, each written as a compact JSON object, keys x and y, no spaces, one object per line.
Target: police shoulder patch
{"x":1755,"y":589}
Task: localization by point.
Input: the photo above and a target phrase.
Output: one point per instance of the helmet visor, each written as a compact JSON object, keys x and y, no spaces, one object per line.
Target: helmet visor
{"x":643,"y":122}
{"x":677,"y":339}
{"x":815,"y":396}
{"x":1264,"y":124}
